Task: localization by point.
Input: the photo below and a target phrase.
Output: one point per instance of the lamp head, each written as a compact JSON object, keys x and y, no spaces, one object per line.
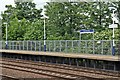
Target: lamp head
{"x":5,"y":23}
{"x":112,"y":8}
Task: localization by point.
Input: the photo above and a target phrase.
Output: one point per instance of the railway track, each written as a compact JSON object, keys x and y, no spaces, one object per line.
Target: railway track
{"x":68,"y":67}
{"x":54,"y":74}
{"x":7,"y":77}
{"x":58,"y":71}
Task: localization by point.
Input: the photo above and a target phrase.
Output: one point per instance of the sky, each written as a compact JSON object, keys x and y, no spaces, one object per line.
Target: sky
{"x":39,"y":3}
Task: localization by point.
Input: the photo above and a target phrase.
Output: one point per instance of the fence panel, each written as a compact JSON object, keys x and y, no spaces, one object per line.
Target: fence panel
{"x":103,"y":47}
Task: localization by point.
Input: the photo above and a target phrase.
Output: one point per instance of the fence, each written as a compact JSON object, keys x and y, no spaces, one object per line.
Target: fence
{"x":103,"y":47}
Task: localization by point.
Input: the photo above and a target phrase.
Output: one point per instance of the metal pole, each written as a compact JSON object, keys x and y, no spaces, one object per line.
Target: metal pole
{"x":44,"y":37}
{"x":113,"y":44}
{"x":6,"y":38}
{"x":93,"y":47}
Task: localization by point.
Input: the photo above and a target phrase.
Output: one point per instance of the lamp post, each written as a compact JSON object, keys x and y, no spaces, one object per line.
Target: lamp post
{"x":113,"y":26}
{"x":6,"y":43}
{"x":44,"y":36}
{"x":113,"y":44}
{"x":44,"y":17}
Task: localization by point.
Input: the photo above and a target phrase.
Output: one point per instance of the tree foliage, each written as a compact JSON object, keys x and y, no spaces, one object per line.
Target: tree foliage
{"x":35,"y":31}
{"x":65,"y":20}
{"x":20,"y":19}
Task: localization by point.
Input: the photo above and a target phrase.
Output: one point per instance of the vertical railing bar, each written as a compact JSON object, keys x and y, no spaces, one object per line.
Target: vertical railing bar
{"x":31,"y":47}
{"x":23,"y":45}
{"x":102,"y":46}
{"x":66,"y":46}
{"x":72,"y":46}
{"x":27,"y":45}
{"x":93,"y":47}
{"x":39,"y":46}
{"x":54,"y":45}
{"x":79,"y":46}
{"x":16,"y":45}
{"x":86,"y":46}
{"x":49,"y":45}
{"x":111,"y":47}
{"x":35,"y":45}
{"x":60,"y":45}
{"x":20,"y":45}
{"x":12,"y":45}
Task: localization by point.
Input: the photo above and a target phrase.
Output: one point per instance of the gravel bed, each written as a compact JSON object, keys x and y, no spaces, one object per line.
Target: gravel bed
{"x":21,"y":74}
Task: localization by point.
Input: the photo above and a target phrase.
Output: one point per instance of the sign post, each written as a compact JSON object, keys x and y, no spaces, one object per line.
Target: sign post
{"x":113,"y":26}
{"x":83,"y":31}
{"x":88,"y":32}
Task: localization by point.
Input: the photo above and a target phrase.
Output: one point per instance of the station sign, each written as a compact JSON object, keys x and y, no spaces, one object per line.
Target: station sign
{"x":113,"y":26}
{"x":86,"y":31}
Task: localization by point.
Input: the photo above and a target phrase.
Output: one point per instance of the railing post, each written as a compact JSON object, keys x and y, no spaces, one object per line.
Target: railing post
{"x":12,"y":45}
{"x":23,"y":45}
{"x":79,"y":50}
{"x":66,"y":46}
{"x":111,"y":46}
{"x":0,"y":44}
{"x":31,"y":45}
{"x":39,"y":45}
{"x":86,"y":46}
{"x":102,"y":46}
{"x":49,"y":45}
{"x":35,"y":45}
{"x":72,"y":46}
{"x":16,"y":44}
{"x":20,"y":45}
{"x":27,"y":45}
{"x":54,"y":46}
{"x":60,"y":45}
{"x":93,"y":47}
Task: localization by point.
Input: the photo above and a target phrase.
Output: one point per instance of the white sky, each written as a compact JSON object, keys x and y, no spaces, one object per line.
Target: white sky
{"x":39,"y":3}
{"x":5,"y":2}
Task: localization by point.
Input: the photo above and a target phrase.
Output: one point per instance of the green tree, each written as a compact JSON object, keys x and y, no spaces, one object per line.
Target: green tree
{"x":17,"y":29}
{"x":35,"y":31}
{"x":28,"y":11}
{"x":66,"y":18}
{"x":19,"y":19}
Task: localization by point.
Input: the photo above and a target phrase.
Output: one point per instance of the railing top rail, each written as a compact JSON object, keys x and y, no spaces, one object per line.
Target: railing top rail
{"x":59,"y":40}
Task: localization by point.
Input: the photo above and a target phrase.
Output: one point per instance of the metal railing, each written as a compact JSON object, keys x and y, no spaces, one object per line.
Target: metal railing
{"x":103,"y":47}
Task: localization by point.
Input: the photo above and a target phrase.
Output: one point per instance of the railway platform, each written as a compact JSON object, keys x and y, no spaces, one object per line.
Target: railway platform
{"x":103,"y":62}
